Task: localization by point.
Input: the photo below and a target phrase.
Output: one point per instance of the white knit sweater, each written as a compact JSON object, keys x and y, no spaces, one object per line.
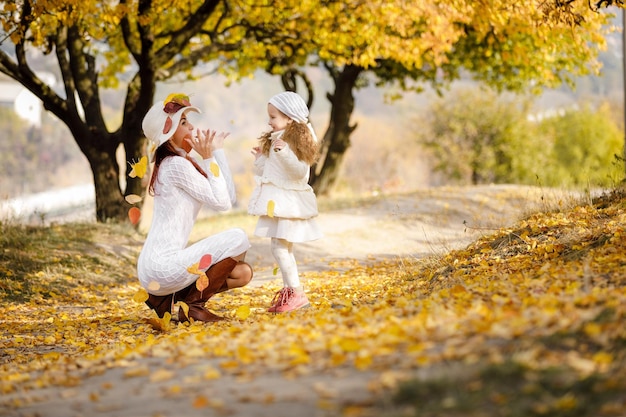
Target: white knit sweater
{"x":180,"y":192}
{"x":283,"y":179}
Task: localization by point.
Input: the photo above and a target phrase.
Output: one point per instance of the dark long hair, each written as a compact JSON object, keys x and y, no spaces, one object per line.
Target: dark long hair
{"x":167,"y":150}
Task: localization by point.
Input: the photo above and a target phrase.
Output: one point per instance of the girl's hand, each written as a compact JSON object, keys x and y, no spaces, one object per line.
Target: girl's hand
{"x":256,"y":151}
{"x":279,"y":144}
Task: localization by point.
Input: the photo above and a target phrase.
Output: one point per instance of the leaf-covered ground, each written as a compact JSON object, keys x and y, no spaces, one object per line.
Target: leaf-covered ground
{"x":525,"y":321}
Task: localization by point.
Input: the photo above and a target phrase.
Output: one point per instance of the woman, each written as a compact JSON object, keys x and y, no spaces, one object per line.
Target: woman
{"x":167,"y":267}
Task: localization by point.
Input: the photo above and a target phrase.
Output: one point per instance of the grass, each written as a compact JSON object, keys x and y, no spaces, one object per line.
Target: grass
{"x":513,"y":390}
{"x":42,"y":261}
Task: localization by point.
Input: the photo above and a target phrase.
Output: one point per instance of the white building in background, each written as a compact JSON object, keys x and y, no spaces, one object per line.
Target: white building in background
{"x":25,"y":104}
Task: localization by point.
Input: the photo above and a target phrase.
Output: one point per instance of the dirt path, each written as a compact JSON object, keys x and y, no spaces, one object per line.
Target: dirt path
{"x":419,"y":224}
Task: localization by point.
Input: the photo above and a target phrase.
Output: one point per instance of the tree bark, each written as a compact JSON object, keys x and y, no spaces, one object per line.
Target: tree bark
{"x":337,"y":137}
{"x":110,"y":204}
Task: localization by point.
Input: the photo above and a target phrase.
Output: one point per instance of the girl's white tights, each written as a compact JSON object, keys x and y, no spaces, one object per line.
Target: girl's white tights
{"x":283,"y":253}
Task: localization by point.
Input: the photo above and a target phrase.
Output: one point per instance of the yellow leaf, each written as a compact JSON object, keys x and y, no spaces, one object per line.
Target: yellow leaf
{"x":184,"y":307}
{"x":275,"y":271}
{"x":603,"y":358}
{"x":349,"y":345}
{"x":143,"y":370}
{"x":160,"y":324}
{"x":215,"y":169}
{"x":195,"y":269}
{"x":243,"y":312}
{"x":161,"y":375}
{"x":270,"y":208}
{"x":363,"y":362}
{"x":212,"y":373}
{"x":153,"y":286}
{"x":140,"y":168}
{"x":140,"y":296}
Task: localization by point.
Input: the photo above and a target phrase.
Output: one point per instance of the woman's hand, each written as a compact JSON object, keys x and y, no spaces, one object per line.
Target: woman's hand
{"x":218,"y":141}
{"x":206,"y":141}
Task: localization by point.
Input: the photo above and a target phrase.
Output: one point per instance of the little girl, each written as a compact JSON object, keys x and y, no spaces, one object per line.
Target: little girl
{"x":283,"y":199}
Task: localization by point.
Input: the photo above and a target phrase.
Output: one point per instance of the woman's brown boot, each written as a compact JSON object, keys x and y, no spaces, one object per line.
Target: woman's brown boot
{"x":160,"y":303}
{"x":195,"y":299}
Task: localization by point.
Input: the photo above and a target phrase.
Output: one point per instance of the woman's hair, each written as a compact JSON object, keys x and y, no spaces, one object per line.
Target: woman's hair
{"x":164,"y":151}
{"x":300,"y":140}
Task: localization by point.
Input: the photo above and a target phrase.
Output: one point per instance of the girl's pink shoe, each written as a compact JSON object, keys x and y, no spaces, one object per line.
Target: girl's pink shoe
{"x":288,"y":300}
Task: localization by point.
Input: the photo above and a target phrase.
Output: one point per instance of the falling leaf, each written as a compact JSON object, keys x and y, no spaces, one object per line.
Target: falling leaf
{"x":202,"y":282}
{"x":134,"y":214}
{"x":141,"y":296}
{"x":133,"y":199}
{"x":205,"y":261}
{"x":153,"y":286}
{"x":139,"y":169}
{"x":195,"y":269}
{"x":243,"y":312}
{"x":270,"y":208}
{"x":275,"y":271}
{"x":215,"y":169}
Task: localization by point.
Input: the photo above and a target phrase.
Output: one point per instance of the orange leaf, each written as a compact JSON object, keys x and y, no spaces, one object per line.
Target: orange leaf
{"x":205,"y":261}
{"x":134,"y":214}
{"x":200,"y":402}
{"x":202,"y":282}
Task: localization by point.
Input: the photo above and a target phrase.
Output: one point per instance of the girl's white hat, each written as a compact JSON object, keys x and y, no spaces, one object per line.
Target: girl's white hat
{"x":291,"y":105}
{"x":161,"y":121}
{"x":294,"y":107}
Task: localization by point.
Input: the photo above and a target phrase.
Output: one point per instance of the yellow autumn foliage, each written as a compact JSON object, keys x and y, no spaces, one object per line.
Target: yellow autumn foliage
{"x":549,"y":292}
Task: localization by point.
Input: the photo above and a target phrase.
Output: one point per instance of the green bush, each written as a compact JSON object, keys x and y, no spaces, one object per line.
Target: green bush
{"x":475,"y":136}
{"x":587,"y":148}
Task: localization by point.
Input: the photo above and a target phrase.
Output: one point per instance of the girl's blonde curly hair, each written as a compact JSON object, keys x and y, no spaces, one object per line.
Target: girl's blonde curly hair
{"x":300,"y":140}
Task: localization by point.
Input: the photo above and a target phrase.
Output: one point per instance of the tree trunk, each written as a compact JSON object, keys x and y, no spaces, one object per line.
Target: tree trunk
{"x":110,"y":204}
{"x":138,"y":101}
{"x":337,"y":137}
{"x":99,"y":147}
